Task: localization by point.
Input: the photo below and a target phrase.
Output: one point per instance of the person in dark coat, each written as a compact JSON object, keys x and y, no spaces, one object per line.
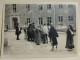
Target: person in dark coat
{"x":33,"y":31}
{"x":53,"y":35}
{"x":70,"y":34}
{"x":30,"y":33}
{"x":18,"y":31}
{"x":48,"y":30}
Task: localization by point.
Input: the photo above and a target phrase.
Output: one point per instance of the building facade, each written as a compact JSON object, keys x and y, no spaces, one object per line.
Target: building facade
{"x":58,"y":14}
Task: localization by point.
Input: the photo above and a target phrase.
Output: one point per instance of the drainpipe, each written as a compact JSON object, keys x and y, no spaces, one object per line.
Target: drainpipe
{"x":54,"y":18}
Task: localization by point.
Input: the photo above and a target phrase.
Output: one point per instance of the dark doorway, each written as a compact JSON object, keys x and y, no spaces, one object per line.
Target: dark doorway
{"x":15,"y":21}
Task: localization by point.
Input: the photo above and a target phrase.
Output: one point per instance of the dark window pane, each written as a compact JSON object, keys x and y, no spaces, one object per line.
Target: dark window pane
{"x":60,"y":6}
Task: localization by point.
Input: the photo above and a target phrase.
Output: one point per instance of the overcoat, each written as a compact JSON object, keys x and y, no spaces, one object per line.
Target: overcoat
{"x":53,"y":34}
{"x":17,"y":30}
{"x":69,"y":40}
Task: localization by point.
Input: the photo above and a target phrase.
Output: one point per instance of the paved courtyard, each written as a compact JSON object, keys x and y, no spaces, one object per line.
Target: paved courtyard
{"x":30,"y":49}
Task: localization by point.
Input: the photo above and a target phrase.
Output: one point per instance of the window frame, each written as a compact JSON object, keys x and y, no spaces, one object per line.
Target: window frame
{"x":28,"y":7}
{"x":70,"y":6}
{"x":70,"y":18}
{"x":48,"y":6}
{"x":60,"y":6}
{"x":60,"y":20}
{"x":14,"y":7}
{"x":40,"y":21}
{"x":49,"y":20}
{"x":40,"y":7}
{"x":28,"y":20}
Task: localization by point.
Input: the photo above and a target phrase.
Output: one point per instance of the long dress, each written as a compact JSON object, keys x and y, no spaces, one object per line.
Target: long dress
{"x":53,"y":34}
{"x":37,"y":36}
{"x":69,"y":40}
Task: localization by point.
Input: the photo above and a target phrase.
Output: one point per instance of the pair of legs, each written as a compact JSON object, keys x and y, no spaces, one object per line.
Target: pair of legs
{"x":30,"y":38}
{"x":45,"y":38}
{"x":18,"y":36}
{"x":54,"y":43}
{"x":53,"y":47}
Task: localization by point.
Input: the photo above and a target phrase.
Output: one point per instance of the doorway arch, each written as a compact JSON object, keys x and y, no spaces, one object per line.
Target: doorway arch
{"x":15,"y":21}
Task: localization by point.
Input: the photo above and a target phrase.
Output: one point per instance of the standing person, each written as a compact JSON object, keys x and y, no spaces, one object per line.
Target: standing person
{"x":25,"y":33}
{"x":53,"y":35}
{"x":37,"y":36}
{"x":33,"y":33}
{"x":45,"y":33}
{"x":29,"y":32}
{"x":48,"y":30}
{"x":18,"y":31}
{"x":69,"y":41}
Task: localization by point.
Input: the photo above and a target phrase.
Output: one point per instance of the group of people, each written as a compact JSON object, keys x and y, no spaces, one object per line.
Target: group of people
{"x":40,"y":34}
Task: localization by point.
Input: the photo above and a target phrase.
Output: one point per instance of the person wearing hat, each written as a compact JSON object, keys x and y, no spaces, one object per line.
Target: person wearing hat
{"x":18,"y":31}
{"x":53,"y":35}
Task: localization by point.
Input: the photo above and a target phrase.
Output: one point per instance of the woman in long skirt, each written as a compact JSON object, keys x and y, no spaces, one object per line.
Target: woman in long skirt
{"x":37,"y":36}
{"x":69,"y":41}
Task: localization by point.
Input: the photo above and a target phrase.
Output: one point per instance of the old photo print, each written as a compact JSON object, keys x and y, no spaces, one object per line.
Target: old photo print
{"x":40,"y":30}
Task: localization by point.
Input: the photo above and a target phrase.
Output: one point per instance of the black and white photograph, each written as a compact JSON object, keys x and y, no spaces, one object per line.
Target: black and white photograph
{"x":40,"y":30}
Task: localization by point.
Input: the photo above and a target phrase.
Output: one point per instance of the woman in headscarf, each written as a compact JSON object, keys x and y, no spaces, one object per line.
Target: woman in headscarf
{"x":53,"y":35}
{"x":70,"y":34}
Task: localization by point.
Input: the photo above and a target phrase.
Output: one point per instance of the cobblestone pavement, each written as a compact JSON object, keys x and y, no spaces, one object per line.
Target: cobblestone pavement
{"x":23,"y":47}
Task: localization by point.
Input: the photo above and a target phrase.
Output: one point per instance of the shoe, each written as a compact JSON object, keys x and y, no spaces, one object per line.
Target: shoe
{"x":18,"y":39}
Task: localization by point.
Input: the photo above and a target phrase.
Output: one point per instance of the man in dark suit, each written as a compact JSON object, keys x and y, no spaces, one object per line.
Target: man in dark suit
{"x":18,"y":31}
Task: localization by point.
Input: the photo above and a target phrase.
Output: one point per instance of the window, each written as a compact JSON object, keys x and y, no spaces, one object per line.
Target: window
{"x":49,"y":20}
{"x":40,"y":21}
{"x":49,"y":6}
{"x":40,"y":7}
{"x":28,"y":7}
{"x":70,"y":6}
{"x":70,"y":18}
{"x":60,"y":20}
{"x":60,"y":6}
{"x":14,"y":7}
{"x":28,"y":20}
